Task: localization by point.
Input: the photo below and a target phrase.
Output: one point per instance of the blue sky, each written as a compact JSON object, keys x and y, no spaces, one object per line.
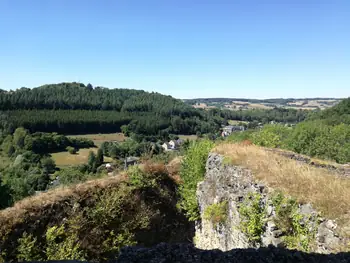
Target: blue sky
{"x":185,"y":48}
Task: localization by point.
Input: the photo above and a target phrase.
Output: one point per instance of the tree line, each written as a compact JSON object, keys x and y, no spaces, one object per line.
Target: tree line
{"x":73,"y":108}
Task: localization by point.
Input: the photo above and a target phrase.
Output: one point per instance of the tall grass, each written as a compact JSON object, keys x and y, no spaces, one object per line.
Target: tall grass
{"x":326,"y":191}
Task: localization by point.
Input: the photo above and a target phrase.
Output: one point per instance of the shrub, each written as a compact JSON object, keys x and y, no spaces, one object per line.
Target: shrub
{"x":299,"y":234}
{"x":139,"y":179}
{"x":70,"y":175}
{"x":240,"y":136}
{"x":28,"y":249}
{"x":252,"y":215}
{"x":216,"y":213}
{"x":62,"y":245}
{"x":272,"y":136}
{"x":71,"y":150}
{"x":192,"y":172}
{"x":315,"y":138}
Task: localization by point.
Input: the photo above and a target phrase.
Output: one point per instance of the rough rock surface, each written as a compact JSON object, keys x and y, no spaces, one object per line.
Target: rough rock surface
{"x":232,"y":184}
{"x":166,"y":253}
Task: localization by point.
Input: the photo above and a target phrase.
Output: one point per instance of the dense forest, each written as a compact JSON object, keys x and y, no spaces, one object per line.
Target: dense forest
{"x":266,"y":116}
{"x":73,"y":108}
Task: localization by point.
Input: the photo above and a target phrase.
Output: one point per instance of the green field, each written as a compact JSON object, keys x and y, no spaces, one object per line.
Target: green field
{"x":235,"y":122}
{"x":189,"y":137}
{"x":81,"y":157}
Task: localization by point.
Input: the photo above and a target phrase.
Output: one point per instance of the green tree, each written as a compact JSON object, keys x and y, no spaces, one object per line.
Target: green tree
{"x":92,"y":162}
{"x":99,"y":157}
{"x":192,"y":172}
{"x":19,"y":138}
{"x":48,"y":164}
{"x":5,"y":196}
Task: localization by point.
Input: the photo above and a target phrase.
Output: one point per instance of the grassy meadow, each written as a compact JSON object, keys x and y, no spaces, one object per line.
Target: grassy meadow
{"x":189,"y":137}
{"x":99,"y":138}
{"x":66,"y":159}
{"x":81,"y":157}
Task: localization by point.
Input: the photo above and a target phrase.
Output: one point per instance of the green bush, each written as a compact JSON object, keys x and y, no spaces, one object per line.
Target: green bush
{"x":70,"y":175}
{"x":252,"y":214}
{"x":140,"y":179}
{"x":71,"y":150}
{"x":240,"y":136}
{"x":28,"y":249}
{"x":299,"y":234}
{"x":192,"y":172}
{"x":272,"y":136}
{"x":62,"y":245}
{"x":216,"y":213}
{"x":317,"y":139}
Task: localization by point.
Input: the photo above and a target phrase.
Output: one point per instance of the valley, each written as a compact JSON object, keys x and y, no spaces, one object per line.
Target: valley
{"x":91,"y":176}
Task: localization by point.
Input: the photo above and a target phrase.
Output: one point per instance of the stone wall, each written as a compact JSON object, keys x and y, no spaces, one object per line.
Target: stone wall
{"x":232,"y":184}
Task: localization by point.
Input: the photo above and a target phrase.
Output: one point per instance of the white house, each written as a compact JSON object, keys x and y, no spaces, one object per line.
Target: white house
{"x":166,"y":146}
{"x":172,"y":145}
{"x":227,"y":130}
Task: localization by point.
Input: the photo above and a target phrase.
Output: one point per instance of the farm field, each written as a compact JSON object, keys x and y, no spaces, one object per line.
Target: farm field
{"x":189,"y":137}
{"x":99,"y":138}
{"x":236,"y":104}
{"x":235,"y":122}
{"x":81,"y":157}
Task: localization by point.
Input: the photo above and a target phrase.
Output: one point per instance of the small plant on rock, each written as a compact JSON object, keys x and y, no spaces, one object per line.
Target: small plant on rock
{"x":299,"y":233}
{"x":216,"y":213}
{"x":252,"y":214}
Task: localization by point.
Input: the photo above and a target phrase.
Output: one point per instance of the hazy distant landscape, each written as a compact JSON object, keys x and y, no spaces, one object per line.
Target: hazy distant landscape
{"x":246,"y":104}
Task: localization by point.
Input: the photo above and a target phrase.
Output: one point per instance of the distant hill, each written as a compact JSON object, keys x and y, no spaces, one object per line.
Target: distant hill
{"x":78,"y":108}
{"x":243,"y":104}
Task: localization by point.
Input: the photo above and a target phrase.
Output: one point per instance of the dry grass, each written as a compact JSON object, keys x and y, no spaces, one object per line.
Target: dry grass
{"x":173,"y":169}
{"x":99,"y":138}
{"x":189,"y":137}
{"x":327,"y":192}
{"x":235,"y":122}
{"x":81,"y":157}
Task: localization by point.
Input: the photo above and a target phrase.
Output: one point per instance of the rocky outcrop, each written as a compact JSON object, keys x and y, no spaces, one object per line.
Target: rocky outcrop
{"x":235,"y":185}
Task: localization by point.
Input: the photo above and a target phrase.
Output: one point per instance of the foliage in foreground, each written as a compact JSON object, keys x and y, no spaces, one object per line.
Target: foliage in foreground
{"x":97,"y":220}
{"x":192,"y":172}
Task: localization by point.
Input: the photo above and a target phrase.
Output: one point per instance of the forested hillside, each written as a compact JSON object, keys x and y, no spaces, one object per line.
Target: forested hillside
{"x":335,"y":115}
{"x":325,"y":134}
{"x":76,"y":108}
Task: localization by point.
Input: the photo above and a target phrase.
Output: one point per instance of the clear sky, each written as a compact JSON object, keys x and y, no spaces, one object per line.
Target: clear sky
{"x":185,"y":48}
